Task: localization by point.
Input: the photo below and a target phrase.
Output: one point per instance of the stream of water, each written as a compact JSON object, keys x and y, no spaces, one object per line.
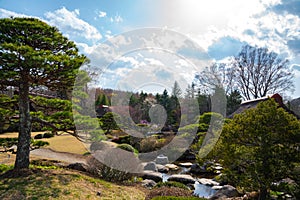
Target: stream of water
{"x":200,"y":189}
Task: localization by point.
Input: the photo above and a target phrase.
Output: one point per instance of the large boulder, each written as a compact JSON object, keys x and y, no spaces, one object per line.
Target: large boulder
{"x":102,"y":145}
{"x":227,"y":191}
{"x":151,"y":166}
{"x":161,"y":159}
{"x":78,"y":166}
{"x":182,"y":178}
{"x":197,"y":169}
{"x":155,"y":176}
{"x":147,"y":183}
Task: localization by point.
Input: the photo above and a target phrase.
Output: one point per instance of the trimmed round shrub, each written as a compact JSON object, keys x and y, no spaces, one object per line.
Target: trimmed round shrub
{"x":48,"y":135}
{"x":127,"y":147}
{"x":38,"y":136}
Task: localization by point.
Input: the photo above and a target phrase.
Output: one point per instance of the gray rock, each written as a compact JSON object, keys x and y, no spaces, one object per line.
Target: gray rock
{"x":78,"y":166}
{"x":172,"y":167}
{"x":197,"y":169}
{"x":186,"y":164}
{"x":161,"y":159}
{"x":217,"y":167}
{"x":150,"y":166}
{"x":182,"y":178}
{"x":13,"y":149}
{"x":208,"y":182}
{"x":155,"y":176}
{"x":99,"y":146}
{"x":217,"y":187}
{"x":147,"y":183}
{"x":162,"y":168}
{"x":227,"y":191}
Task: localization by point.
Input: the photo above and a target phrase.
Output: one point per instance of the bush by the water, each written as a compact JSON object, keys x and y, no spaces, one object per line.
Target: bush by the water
{"x":172,"y":184}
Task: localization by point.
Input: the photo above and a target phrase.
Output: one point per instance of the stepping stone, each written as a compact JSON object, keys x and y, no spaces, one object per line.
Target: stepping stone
{"x":186,"y":164}
{"x":172,"y":167}
{"x":155,"y":176}
{"x":182,"y":178}
{"x":209,"y":182}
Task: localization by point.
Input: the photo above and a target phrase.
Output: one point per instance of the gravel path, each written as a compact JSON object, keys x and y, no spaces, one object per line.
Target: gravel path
{"x":61,"y":156}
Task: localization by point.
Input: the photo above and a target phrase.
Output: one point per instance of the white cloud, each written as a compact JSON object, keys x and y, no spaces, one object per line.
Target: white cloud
{"x":154,"y":62}
{"x":102,"y":14}
{"x":77,"y":11}
{"x":117,"y":19}
{"x":70,"y":23}
{"x":133,"y":62}
{"x":207,"y":22}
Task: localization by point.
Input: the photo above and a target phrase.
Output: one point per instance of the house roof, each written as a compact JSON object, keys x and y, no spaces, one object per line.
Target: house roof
{"x":245,"y":105}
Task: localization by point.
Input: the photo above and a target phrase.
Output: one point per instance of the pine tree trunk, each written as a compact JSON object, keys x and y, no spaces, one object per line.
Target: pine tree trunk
{"x":263,"y":195}
{"x":22,"y":159}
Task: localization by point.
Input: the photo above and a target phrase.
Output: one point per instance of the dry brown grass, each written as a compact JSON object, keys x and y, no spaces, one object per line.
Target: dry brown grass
{"x":66,"y":143}
{"x":62,"y":143}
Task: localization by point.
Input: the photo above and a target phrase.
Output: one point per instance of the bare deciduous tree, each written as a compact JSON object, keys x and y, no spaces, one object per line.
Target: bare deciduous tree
{"x":258,"y":72}
{"x":254,"y":72}
{"x":217,"y":75}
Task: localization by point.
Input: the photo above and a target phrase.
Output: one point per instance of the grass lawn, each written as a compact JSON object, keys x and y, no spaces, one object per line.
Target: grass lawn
{"x":64,"y":184}
{"x":62,"y":143}
{"x":66,"y":143}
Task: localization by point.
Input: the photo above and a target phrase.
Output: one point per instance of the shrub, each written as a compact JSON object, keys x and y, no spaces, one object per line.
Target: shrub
{"x":124,"y":139}
{"x":4,"y":168}
{"x":188,"y":128}
{"x":107,"y":173}
{"x":206,"y":117}
{"x":203,"y":127}
{"x":38,"y":136}
{"x":127,"y":147}
{"x":148,"y":144}
{"x":8,"y":142}
{"x":152,"y":143}
{"x":172,"y":184}
{"x":48,"y":135}
{"x":37,"y":144}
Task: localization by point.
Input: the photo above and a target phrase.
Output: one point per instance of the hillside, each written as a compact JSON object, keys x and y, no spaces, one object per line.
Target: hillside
{"x":64,"y":184}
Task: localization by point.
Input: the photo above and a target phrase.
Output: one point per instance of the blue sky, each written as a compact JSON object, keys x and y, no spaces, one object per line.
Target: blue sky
{"x":215,"y":28}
